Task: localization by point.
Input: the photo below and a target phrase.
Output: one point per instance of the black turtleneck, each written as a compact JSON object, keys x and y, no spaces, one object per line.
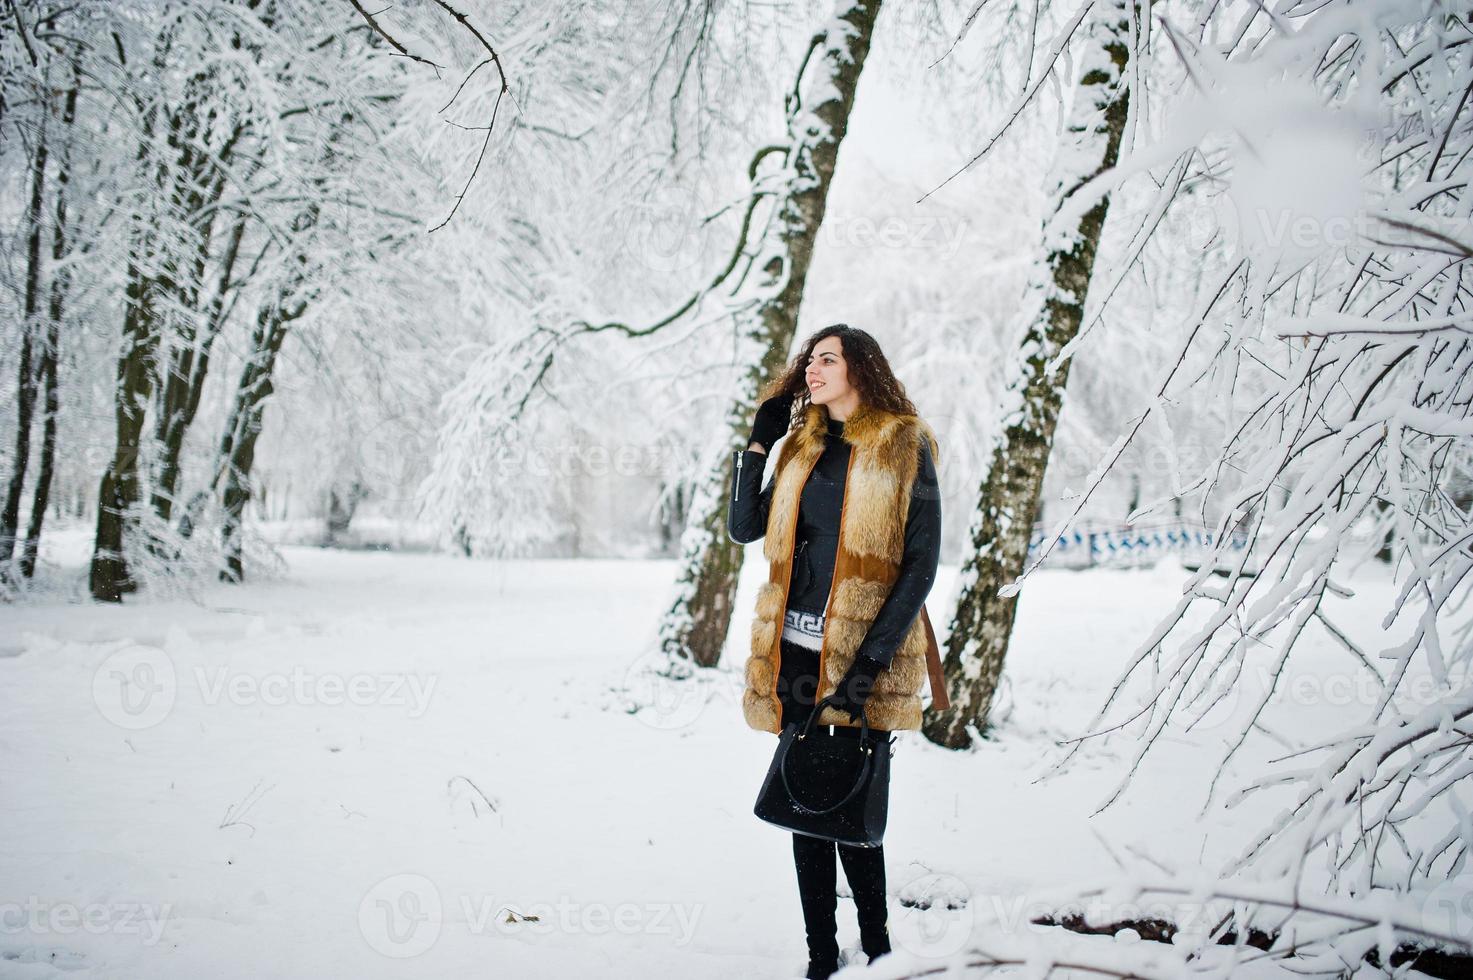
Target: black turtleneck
{"x":817,"y":538}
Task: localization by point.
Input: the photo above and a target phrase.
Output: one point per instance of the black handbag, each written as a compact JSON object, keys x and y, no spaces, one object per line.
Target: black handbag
{"x":835,"y":787}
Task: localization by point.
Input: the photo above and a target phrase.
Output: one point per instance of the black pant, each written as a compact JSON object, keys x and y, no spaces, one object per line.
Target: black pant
{"x":813,"y":858}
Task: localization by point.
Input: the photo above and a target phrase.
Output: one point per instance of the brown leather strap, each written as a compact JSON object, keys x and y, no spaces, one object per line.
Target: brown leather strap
{"x":939,"y":699}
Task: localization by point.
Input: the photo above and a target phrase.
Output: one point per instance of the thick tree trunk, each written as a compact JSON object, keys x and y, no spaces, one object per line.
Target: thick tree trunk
{"x":696,"y":623}
{"x":58,"y":288}
{"x":119,"y":488}
{"x":1053,"y":307}
{"x":31,"y":308}
{"x":188,"y":181}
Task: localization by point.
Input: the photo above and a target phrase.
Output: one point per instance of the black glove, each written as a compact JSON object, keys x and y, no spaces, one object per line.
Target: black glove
{"x":855,"y":687}
{"x":773,"y":418}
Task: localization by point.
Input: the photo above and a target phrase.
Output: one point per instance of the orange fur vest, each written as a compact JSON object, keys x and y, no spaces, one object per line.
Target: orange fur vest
{"x":883,"y":463}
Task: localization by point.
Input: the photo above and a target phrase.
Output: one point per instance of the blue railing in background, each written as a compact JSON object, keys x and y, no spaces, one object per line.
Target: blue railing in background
{"x":1091,"y":544}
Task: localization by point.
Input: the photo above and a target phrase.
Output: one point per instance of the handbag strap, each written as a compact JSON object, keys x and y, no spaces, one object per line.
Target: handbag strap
{"x":869,"y":757}
{"x":940,"y":701}
{"x":865,"y":746}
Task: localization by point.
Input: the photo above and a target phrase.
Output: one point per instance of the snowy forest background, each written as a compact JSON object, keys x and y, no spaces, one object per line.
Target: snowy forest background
{"x":1178,"y":286}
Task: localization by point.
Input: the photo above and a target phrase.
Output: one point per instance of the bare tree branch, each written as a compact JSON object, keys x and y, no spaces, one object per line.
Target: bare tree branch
{"x":379,"y":30}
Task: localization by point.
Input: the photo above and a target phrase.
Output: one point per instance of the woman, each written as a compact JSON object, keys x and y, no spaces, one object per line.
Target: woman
{"x":852,"y":521}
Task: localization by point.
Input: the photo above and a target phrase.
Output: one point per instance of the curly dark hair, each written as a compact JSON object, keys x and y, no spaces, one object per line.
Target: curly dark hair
{"x":869,"y":373}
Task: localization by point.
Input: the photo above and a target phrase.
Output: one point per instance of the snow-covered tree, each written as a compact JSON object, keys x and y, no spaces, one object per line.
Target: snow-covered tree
{"x":1337,"y":140}
{"x":1049,"y":317}
{"x":697,"y":620}
{"x":749,"y":307}
{"x":42,"y":80}
{"x":181,"y":155}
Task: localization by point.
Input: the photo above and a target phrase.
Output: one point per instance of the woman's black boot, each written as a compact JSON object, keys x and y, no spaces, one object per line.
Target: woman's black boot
{"x":875,"y":943}
{"x":865,"y":869}
{"x":817,"y":875}
{"x":822,"y":969}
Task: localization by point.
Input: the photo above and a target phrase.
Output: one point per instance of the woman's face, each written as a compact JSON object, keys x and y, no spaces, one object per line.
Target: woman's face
{"x":827,"y":374}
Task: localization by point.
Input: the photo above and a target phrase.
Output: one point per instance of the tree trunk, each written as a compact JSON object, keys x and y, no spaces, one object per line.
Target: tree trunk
{"x":26,"y":397}
{"x":341,"y":507}
{"x":695,"y":625}
{"x":58,"y":288}
{"x":189,"y":360}
{"x":238,"y":447}
{"x":119,"y":488}
{"x":1052,"y":310}
{"x":188,"y":182}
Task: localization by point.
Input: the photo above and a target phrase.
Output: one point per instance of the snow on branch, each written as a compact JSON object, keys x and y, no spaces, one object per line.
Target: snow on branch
{"x":492,"y":58}
{"x":507,"y":380}
{"x":1341,"y":364}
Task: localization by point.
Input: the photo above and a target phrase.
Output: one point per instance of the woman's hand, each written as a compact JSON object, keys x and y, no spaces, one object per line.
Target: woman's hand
{"x":774,"y":416}
{"x":855,"y":687}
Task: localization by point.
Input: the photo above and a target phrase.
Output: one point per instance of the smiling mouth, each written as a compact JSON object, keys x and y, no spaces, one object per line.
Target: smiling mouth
{"x":815,"y":385}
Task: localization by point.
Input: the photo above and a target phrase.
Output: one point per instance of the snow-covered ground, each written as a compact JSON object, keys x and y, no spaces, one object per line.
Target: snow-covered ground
{"x":384,"y":765}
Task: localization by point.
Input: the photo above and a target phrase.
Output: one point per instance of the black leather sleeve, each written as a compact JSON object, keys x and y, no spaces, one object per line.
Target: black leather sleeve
{"x":746,"y":509}
{"x":917,"y":566}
